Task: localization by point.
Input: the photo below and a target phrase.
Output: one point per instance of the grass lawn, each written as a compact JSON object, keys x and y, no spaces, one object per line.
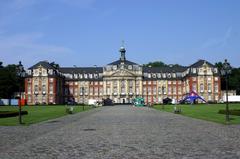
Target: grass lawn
{"x":37,"y":113}
{"x":204,"y":111}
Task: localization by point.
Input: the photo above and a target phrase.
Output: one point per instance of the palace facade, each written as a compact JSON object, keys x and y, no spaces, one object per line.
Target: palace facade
{"x":121,"y":81}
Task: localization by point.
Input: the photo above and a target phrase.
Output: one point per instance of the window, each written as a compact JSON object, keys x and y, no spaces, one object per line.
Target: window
{"x":130,"y":67}
{"x":123,"y":90}
{"x":114,"y":67}
{"x":201,"y":87}
{"x":164,"y":75}
{"x":96,"y":91}
{"x":174,"y":75}
{"x":209,"y":87}
{"x":154,"y":75}
{"x":29,"y":89}
{"x":80,"y":76}
{"x":216,"y":87}
{"x":50,"y":88}
{"x":160,"y":90}
{"x":108,"y":90}
{"x":169,"y":90}
{"x":90,"y":76}
{"x":144,"y":90}
{"x":44,"y":88}
{"x":91,"y":91}
{"x":75,"y":91}
{"x":194,"y":70}
{"x":137,"y":90}
{"x":174,"y":90}
{"x":130,"y":83}
{"x":29,"y":99}
{"x":100,"y":91}
{"x":149,"y":75}
{"x":154,"y":90}
{"x":179,"y":90}
{"x":115,"y":90}
{"x":194,"y":87}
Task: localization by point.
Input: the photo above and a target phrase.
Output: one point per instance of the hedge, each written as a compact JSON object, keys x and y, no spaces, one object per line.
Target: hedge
{"x":5,"y":114}
{"x":231,"y":112}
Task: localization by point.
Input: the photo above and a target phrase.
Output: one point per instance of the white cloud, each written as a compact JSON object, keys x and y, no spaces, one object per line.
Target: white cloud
{"x":28,"y":48}
{"x":220,"y":41}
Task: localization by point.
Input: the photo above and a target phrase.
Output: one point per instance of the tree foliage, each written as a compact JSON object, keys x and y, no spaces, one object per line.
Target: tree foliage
{"x":234,"y":78}
{"x":9,"y":81}
{"x":155,"y":64}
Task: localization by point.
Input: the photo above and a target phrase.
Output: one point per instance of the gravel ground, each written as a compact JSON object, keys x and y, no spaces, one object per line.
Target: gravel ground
{"x":121,"y":132}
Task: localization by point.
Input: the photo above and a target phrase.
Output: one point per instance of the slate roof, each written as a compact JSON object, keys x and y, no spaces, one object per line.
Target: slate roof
{"x":125,"y":62}
{"x":199,"y":63}
{"x":81,"y":69}
{"x":165,"y":69}
{"x":44,"y":64}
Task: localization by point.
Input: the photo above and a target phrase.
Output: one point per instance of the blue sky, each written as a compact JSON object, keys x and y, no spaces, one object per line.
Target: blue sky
{"x":90,"y":32}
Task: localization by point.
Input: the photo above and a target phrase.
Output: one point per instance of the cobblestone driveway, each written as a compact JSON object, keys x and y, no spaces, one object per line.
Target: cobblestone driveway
{"x":121,"y":132}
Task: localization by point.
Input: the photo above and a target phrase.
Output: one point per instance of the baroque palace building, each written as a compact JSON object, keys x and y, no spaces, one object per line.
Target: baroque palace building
{"x":121,"y":81}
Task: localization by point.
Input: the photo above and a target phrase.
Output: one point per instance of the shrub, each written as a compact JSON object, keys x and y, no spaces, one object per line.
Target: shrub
{"x":5,"y":114}
{"x":231,"y":112}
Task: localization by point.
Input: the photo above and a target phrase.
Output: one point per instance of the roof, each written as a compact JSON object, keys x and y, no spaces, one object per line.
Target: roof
{"x":199,"y":63}
{"x":164,"y":69}
{"x":125,"y":62}
{"x":81,"y":69}
{"x":44,"y":64}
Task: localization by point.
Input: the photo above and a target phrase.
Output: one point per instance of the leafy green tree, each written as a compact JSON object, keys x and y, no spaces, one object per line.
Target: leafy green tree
{"x":155,"y":64}
{"x":9,"y":81}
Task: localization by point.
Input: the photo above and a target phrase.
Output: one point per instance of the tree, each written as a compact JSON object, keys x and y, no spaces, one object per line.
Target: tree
{"x":155,"y":64}
{"x":234,"y":78}
{"x":1,"y":66}
{"x":9,"y":81}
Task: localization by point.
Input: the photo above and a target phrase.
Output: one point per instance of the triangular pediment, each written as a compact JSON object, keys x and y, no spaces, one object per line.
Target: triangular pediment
{"x":123,"y":73}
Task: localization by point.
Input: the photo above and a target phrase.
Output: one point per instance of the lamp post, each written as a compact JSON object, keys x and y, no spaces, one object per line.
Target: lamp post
{"x":226,"y":71}
{"x":162,"y":97}
{"x":83,"y":91}
{"x":20,"y":74}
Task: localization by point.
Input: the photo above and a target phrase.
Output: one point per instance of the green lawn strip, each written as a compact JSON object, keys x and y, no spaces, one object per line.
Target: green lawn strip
{"x":207,"y":112}
{"x":38,"y":113}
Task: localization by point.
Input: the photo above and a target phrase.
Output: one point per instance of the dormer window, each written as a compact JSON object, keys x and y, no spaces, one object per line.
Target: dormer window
{"x":130,"y":67}
{"x":114,"y":67}
{"x":29,"y":72}
{"x":85,"y":76}
{"x":35,"y":72}
{"x":80,"y":76}
{"x":50,"y":72}
{"x":159,"y":75}
{"x":75,"y":76}
{"x":96,"y":76}
{"x":90,"y":76}
{"x":174,"y":75}
{"x":164,"y":75}
{"x":154,"y":75}
{"x":149,"y":75}
{"x":169,"y":75}
{"x":194,"y":70}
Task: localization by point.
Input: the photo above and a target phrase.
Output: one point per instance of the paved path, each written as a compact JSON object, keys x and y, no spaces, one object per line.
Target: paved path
{"x":121,"y":132}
